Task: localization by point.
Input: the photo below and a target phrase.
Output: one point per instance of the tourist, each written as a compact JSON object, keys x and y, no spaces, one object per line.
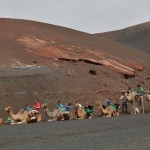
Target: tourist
{"x":140,"y":90}
{"x":37,"y":105}
{"x":29,"y":110}
{"x":35,"y":110}
{"x":60,"y":106}
{"x":129,"y":90}
{"x":124,"y":104}
{"x":27,"y":107}
{"x":89,"y":110}
{"x":77,"y":104}
{"x":117,"y":105}
{"x":106,"y":103}
{"x":113,"y":109}
{"x":68,"y":107}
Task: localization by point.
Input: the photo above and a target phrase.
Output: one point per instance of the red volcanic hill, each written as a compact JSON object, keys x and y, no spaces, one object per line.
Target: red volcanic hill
{"x":53,"y":63}
{"x":21,"y":41}
{"x":135,"y":36}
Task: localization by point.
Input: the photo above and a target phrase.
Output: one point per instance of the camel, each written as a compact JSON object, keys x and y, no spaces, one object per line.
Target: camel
{"x":22,"y":116}
{"x":1,"y":121}
{"x":147,"y":95}
{"x":107,"y":112}
{"x":56,"y":114}
{"x":80,"y":113}
{"x":133,"y":99}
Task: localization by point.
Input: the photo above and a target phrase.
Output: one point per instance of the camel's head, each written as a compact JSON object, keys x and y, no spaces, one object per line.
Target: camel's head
{"x":8,"y":109}
{"x":76,"y":105}
{"x":1,"y":121}
{"x":124,"y":92}
{"x":146,"y":92}
{"x":98,"y":103}
{"x":44,"y":105}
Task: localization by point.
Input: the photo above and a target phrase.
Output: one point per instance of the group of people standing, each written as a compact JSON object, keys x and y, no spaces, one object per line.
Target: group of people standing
{"x":139,"y":92}
{"x":123,"y":104}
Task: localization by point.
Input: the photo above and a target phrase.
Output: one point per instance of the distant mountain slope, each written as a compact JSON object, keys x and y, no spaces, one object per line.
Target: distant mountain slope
{"x":135,"y":36}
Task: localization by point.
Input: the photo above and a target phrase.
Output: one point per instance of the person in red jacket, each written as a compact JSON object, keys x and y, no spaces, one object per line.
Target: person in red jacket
{"x":35,"y":110}
{"x":37,"y":105}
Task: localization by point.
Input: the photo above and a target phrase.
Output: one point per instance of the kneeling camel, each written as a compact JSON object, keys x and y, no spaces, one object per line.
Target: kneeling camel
{"x":107,"y":112}
{"x":80,"y":113}
{"x":22,"y":116}
{"x":56,"y":114}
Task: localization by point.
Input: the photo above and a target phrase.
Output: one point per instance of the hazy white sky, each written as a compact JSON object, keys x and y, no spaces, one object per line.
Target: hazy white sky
{"x":85,"y":15}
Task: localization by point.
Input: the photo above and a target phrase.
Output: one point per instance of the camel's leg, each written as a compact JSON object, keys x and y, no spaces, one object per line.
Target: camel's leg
{"x":142,"y":103}
{"x":143,"y":108}
{"x":117,"y":113}
{"x":62,"y":117}
{"x":52,"y":119}
{"x":109,"y":114}
{"x":80,"y":118}
{"x":72,"y":116}
{"x":148,"y":97}
{"x":114,"y":113}
{"x":75,"y":114}
{"x":49,"y":120}
{"x":139,"y":112}
{"x":132,"y":109}
{"x":23,"y":121}
{"x":140,"y":108}
{"x":134,"y":112}
{"x":39,"y":117}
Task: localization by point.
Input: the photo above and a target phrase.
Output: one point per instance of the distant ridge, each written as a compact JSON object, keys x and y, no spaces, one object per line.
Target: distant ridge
{"x":137,"y":36}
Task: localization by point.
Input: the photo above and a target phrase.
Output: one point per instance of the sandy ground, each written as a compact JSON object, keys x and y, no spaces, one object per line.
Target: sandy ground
{"x":118,"y":133}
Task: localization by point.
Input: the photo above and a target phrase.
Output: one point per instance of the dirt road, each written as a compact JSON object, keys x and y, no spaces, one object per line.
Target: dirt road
{"x":118,"y":133}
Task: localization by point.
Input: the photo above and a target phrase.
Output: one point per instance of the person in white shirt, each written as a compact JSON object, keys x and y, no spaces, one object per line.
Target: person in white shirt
{"x":78,"y":105}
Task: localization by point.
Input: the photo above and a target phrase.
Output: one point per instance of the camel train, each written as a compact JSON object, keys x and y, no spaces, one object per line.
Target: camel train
{"x":23,"y":116}
{"x":57,"y":114}
{"x":79,"y":112}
